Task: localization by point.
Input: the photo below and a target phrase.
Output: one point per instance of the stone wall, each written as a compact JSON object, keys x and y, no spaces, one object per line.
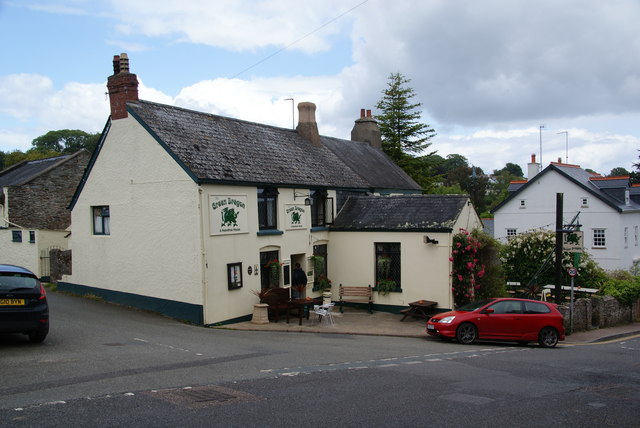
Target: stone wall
{"x":42,"y":203}
{"x":599,"y":312}
{"x":60,"y":262}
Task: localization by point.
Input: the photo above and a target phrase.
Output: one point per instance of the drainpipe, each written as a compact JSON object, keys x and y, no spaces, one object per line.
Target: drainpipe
{"x":203,"y":259}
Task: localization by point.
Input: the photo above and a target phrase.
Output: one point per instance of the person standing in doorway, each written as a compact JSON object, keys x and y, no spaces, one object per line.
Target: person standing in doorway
{"x":299,"y":282}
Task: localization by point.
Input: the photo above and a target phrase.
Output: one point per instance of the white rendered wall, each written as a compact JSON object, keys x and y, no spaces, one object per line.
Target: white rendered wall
{"x":221,"y":250}
{"x":154,"y":245}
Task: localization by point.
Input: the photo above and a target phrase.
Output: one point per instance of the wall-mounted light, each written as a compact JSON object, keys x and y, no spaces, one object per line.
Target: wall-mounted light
{"x":307,"y":199}
{"x":428,"y":240}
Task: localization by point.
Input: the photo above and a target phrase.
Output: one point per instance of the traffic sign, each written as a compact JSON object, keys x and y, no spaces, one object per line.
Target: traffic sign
{"x":572,"y":272}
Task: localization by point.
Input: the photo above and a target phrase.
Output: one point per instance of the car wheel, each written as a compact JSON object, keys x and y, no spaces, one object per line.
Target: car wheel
{"x":548,"y":337}
{"x":467,"y":333}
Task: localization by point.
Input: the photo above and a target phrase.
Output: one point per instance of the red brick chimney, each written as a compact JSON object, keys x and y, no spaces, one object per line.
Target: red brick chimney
{"x":122,"y":87}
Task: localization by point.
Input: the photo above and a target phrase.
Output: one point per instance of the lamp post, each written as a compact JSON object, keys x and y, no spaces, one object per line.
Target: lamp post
{"x":566,"y":133}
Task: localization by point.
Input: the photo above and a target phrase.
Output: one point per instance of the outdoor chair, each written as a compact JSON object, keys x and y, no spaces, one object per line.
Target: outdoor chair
{"x":324,"y":312}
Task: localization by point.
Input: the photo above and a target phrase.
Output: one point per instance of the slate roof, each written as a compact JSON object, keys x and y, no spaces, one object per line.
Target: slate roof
{"x":25,"y":171}
{"x":609,"y":190}
{"x":217,"y":149}
{"x":407,"y":213}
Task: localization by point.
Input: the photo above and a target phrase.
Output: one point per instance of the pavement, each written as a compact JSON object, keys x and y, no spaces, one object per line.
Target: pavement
{"x":359,"y":321}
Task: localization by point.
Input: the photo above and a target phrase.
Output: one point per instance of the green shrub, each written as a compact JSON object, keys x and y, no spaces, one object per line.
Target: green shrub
{"x":624,"y":288}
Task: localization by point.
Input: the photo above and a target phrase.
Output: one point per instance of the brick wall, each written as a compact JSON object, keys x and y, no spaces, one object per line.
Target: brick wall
{"x":42,"y":203}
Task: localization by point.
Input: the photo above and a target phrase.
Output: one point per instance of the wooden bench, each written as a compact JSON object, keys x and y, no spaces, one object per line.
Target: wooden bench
{"x":356,"y":294}
{"x":278,"y":301}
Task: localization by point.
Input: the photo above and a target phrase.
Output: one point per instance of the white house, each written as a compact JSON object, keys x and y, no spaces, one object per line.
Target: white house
{"x":608,"y":208}
{"x":183,"y":212}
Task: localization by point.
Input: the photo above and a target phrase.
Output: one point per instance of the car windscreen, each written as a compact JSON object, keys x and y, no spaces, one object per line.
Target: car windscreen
{"x":472,"y":306}
{"x":14,"y":281}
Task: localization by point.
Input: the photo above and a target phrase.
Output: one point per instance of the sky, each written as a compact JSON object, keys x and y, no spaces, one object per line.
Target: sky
{"x":497,"y":79}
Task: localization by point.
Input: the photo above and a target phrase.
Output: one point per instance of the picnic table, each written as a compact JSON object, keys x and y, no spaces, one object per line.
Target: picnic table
{"x":420,"y":308}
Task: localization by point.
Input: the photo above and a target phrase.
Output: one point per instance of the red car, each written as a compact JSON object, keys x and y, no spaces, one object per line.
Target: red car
{"x":520,"y":320}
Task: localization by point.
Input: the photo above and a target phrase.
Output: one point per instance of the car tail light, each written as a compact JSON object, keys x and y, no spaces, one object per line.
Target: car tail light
{"x":43,"y":292}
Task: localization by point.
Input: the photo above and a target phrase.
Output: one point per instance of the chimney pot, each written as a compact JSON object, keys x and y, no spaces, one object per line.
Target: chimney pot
{"x":116,"y":64}
{"x":361,"y":113}
{"x":122,"y":87}
{"x":533,"y":158}
{"x":368,"y":113}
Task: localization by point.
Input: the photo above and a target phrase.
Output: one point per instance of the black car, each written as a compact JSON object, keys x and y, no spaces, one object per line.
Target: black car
{"x":23,"y":303}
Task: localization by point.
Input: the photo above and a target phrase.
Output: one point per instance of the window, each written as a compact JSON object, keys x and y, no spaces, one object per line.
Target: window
{"x":388,"y":265}
{"x":584,"y":202}
{"x":268,"y":208}
{"x":16,"y":236}
{"x":32,"y":236}
{"x":626,"y":237}
{"x":511,"y":233}
{"x":507,"y":307}
{"x":523,"y":203}
{"x":319,"y":264}
{"x":234,"y":275}
{"x":318,"y":207}
{"x":635,"y":235}
{"x":535,"y":308}
{"x":101,"y":221}
{"x":270,"y":269}
{"x":599,"y":240}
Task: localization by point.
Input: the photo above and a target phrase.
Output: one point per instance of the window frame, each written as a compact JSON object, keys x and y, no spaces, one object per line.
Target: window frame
{"x":511,"y":232}
{"x":393,"y":250}
{"x":105,"y":220}
{"x":267,"y":205}
{"x":16,"y":236}
{"x":599,"y":236}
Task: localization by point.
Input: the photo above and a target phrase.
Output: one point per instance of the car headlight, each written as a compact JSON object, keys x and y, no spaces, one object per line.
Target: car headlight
{"x":447,"y":320}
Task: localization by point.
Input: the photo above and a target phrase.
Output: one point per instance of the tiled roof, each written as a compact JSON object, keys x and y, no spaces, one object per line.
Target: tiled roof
{"x":400,"y":213}
{"x":216,"y":149}
{"x":25,"y":171}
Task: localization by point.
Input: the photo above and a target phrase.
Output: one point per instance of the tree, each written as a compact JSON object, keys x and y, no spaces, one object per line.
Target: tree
{"x":511,"y":168}
{"x":400,"y":126}
{"x":66,"y":141}
{"x":618,"y":171}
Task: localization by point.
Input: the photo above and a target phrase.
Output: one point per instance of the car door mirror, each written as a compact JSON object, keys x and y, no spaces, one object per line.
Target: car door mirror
{"x":488,"y":311}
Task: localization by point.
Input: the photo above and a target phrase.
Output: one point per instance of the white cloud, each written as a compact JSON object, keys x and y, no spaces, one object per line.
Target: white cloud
{"x":231,"y":24}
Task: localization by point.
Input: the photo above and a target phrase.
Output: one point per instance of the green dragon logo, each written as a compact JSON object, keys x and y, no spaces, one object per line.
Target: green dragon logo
{"x":295,"y":218}
{"x":229,"y":217}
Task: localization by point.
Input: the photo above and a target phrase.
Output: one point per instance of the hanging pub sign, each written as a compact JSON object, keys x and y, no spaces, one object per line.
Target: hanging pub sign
{"x":295,"y":217}
{"x":228,"y":214}
{"x":573,"y":241}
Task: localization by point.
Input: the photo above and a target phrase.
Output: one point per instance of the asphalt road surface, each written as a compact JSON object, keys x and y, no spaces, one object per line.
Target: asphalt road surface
{"x":110,"y":366}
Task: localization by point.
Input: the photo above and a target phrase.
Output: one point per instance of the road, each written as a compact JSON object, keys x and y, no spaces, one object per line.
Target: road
{"x":113,"y":366}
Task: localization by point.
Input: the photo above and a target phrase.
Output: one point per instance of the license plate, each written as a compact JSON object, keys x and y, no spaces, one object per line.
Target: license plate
{"x":11,"y":302}
{"x":431,"y":327}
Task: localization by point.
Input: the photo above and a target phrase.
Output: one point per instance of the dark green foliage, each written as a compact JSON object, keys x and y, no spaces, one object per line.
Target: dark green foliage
{"x":621,"y":285}
{"x":399,"y":122}
{"x":66,"y":141}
